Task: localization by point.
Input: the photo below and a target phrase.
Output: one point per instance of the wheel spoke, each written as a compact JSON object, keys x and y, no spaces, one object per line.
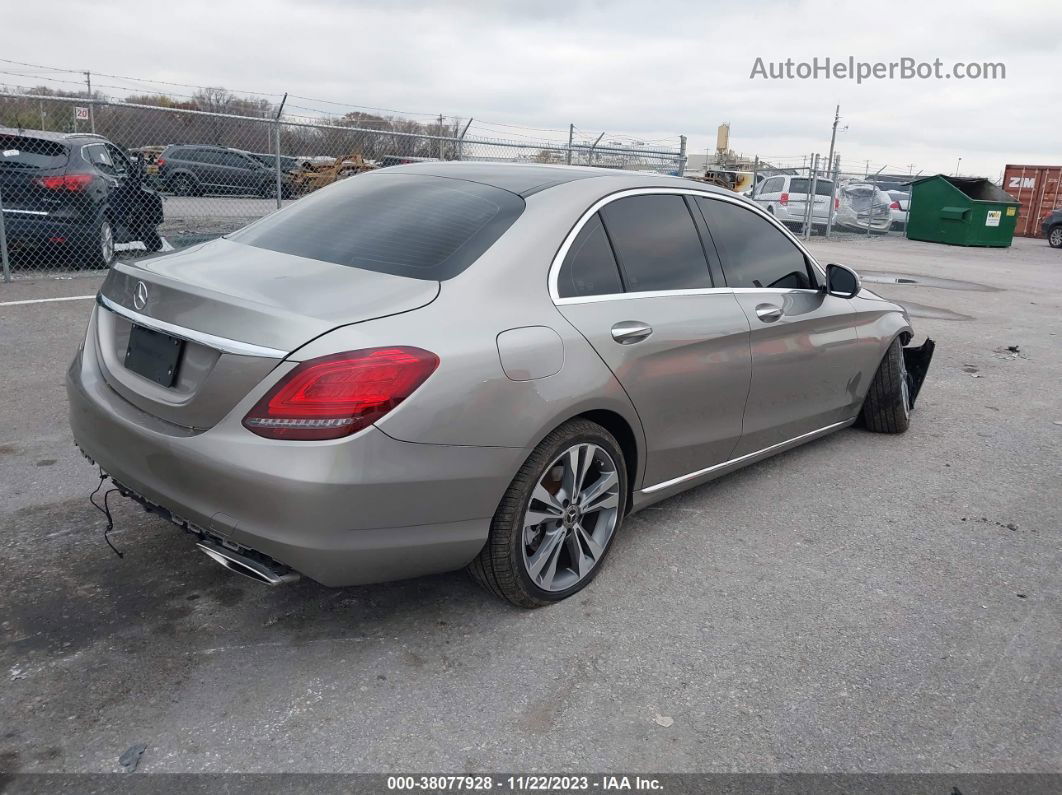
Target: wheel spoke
{"x":549,"y":501}
{"x":570,"y":472}
{"x":594,"y":548}
{"x":543,"y":564}
{"x":580,"y":564}
{"x":598,"y":491}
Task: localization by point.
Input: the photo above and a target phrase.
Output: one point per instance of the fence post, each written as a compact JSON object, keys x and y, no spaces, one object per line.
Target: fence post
{"x":3,"y":243}
{"x":807,"y":204}
{"x":571,"y":135}
{"x":461,"y":141}
{"x":682,"y":156}
{"x":813,"y":185}
{"x":836,"y":195}
{"x":276,"y":143}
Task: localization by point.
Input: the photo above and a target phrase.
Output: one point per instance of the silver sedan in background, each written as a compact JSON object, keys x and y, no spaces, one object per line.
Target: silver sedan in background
{"x":449,"y":365}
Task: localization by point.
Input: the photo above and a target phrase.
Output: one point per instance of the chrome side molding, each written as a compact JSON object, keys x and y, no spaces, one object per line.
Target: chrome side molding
{"x":708,"y":470}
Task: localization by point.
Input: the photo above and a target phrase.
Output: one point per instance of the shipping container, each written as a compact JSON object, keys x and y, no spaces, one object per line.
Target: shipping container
{"x":1037,"y":188}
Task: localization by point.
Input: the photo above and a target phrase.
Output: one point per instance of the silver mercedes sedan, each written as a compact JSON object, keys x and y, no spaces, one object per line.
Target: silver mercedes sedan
{"x":490,"y":366}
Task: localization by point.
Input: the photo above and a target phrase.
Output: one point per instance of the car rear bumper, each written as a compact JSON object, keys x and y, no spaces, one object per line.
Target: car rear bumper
{"x":364,"y":509}
{"x":31,"y":231}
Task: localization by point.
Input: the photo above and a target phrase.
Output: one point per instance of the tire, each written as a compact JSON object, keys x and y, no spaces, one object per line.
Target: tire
{"x":507,"y":565}
{"x":102,"y":254}
{"x":1054,"y":236}
{"x":183,"y":185}
{"x":887,"y":407}
{"x":268,"y":190}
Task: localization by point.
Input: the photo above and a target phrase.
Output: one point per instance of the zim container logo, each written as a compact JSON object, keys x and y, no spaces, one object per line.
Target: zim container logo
{"x":1022,"y":182}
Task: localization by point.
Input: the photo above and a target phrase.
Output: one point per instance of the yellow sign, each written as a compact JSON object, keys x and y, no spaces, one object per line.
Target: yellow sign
{"x":1011,"y":210}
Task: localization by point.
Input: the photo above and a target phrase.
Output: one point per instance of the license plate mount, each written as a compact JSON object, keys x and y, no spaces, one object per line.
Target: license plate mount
{"x":153,"y":355}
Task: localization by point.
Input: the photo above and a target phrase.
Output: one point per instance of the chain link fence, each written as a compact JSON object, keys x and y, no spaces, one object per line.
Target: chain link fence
{"x":85,"y":182}
{"x":845,"y":204}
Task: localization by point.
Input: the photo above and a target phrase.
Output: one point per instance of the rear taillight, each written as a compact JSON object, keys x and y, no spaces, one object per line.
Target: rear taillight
{"x":836,"y":203}
{"x":160,"y":162}
{"x":784,"y":200}
{"x":67,"y":182}
{"x":335,"y":396}
{"x":894,"y":206}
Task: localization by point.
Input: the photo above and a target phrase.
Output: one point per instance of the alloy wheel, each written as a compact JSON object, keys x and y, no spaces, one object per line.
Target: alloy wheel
{"x":571,"y":517}
{"x":106,"y":242}
{"x":1056,"y":237}
{"x":905,"y":386}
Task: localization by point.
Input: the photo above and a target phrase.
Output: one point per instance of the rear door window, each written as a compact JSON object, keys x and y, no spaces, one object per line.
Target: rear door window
{"x":98,"y":155}
{"x":755,"y":253}
{"x":823,"y":187}
{"x":17,"y":151}
{"x":407,"y":225}
{"x":590,"y":267}
{"x":656,"y":243}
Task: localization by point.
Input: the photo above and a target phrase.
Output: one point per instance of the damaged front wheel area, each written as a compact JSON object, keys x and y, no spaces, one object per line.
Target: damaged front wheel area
{"x":896,"y":384}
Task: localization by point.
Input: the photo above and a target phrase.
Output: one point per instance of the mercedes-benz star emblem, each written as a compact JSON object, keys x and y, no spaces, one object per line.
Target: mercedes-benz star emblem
{"x":140,"y":296}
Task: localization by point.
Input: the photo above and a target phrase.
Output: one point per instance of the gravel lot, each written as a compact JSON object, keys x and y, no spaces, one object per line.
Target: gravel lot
{"x":864,"y":603}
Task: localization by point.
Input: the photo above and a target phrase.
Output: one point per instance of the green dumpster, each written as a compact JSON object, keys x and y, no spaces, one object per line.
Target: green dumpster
{"x":961,"y":211}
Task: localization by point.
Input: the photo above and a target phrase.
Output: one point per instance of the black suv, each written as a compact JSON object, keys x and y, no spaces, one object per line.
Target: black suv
{"x":75,"y":195}
{"x":193,"y":169}
{"x":1052,"y":228}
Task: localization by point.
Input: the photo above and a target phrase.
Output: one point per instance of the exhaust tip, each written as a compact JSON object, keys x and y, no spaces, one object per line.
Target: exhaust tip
{"x":248,"y":567}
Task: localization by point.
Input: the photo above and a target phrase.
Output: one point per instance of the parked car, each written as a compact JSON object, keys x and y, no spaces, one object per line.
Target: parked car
{"x":73,"y":196}
{"x":479,"y":365}
{"x":193,"y":169}
{"x":287,"y":163}
{"x":900,"y":201}
{"x":861,"y":205}
{"x":1052,"y":228}
{"x":786,"y":198}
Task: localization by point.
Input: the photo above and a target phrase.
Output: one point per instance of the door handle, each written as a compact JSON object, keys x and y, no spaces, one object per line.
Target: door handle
{"x":768,"y":313}
{"x":630,"y":331}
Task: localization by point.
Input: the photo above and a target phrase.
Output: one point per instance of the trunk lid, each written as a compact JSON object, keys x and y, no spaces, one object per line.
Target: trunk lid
{"x":24,"y":161}
{"x":241,"y":310}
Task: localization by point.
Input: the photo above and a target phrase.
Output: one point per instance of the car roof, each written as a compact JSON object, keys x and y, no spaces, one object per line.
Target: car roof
{"x":49,"y":135}
{"x":525,"y":179}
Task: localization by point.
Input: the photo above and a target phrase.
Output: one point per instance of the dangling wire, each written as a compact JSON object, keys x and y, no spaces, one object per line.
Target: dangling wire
{"x":105,"y":509}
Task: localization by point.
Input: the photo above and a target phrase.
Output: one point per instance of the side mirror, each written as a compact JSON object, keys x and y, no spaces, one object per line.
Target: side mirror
{"x":842,"y":281}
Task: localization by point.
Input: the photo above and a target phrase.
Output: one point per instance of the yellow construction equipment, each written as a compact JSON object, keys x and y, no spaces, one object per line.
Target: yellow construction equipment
{"x":310,"y":176}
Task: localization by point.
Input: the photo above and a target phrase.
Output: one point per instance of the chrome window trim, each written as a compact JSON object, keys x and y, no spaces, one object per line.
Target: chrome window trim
{"x":562,"y":252}
{"x":707,"y":470}
{"x":222,"y":344}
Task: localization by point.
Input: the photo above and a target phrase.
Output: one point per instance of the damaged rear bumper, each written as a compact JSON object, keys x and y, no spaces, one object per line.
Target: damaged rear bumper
{"x":916,"y":361}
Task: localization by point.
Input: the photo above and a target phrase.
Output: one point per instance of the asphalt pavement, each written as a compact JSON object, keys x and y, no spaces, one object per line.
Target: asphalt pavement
{"x":863,"y":603}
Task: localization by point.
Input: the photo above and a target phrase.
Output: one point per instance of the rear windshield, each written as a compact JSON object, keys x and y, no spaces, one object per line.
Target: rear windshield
{"x":823,"y":187}
{"x":22,"y":152}
{"x":402,"y":224}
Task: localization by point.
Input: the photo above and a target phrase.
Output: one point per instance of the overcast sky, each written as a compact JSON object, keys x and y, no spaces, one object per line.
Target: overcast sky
{"x":651,"y":69}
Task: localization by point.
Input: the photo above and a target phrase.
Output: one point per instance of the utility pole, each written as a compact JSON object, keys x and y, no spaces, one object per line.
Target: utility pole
{"x":957,"y":165}
{"x":833,"y":136}
{"x":92,"y":114}
{"x":571,"y":134}
{"x":440,"y":134}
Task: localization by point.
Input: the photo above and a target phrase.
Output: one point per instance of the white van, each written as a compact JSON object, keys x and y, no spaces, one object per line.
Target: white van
{"x":786,"y":196}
